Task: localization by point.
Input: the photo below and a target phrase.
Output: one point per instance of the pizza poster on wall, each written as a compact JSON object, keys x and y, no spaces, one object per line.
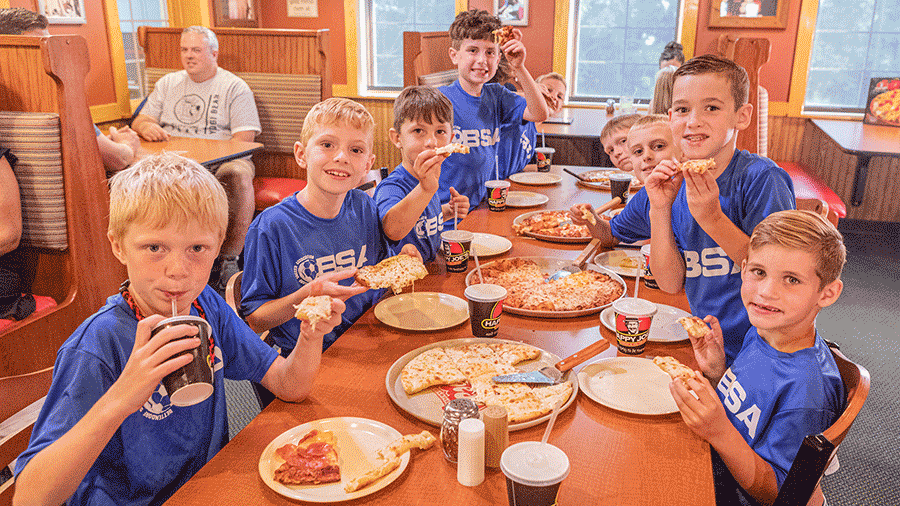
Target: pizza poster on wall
{"x":883,"y":103}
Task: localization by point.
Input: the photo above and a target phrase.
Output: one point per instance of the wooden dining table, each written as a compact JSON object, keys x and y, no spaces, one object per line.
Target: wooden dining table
{"x":207,"y":152}
{"x":616,"y":458}
{"x":578,"y":142}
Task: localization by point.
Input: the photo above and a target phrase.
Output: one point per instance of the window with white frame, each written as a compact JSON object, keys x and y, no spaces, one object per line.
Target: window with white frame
{"x":853,"y":42}
{"x":386,"y":20}
{"x":132,"y":14}
{"x":617,"y":46}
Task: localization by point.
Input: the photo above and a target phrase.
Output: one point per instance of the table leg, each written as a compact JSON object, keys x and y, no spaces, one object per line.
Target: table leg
{"x":859,"y":179}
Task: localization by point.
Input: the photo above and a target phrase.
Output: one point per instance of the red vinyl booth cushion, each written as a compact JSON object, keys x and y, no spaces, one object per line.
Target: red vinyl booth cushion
{"x":272,"y":190}
{"x":807,"y":186}
{"x":40,"y":303}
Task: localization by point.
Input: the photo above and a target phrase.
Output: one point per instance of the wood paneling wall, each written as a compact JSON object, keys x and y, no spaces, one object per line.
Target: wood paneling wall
{"x":382,"y":110}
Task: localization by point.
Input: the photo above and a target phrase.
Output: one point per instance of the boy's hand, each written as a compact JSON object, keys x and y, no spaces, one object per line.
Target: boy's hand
{"x":663,"y":183}
{"x":709,"y":350}
{"x":327,"y":284}
{"x":125,"y":136}
{"x":427,"y":169}
{"x":151,"y":359}
{"x":704,"y":414}
{"x":411,"y":250}
{"x":308,"y":332}
{"x":152,"y":132}
{"x":702,"y":195}
{"x":460,"y":201}
{"x":515,"y":50}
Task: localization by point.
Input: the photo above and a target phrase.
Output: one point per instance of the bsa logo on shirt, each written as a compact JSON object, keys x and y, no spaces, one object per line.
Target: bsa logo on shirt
{"x":307,"y":267}
{"x":476,"y":137}
{"x":709,"y":262}
{"x":428,"y":227}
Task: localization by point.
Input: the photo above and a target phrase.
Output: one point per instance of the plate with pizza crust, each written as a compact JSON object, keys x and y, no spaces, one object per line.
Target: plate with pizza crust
{"x":535,"y":178}
{"x":584,"y":237}
{"x":624,"y":262}
{"x":428,"y":404}
{"x":630,"y":384}
{"x":525,"y":199}
{"x":422,"y":311}
{"x":598,"y":179}
{"x":358,"y":440}
{"x":665,"y":327}
{"x":549,"y":266}
{"x":486,"y":245}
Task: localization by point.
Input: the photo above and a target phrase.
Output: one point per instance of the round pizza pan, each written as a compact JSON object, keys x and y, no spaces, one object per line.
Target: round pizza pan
{"x":550,"y":238}
{"x":878,"y":98}
{"x":550,"y":266}
{"x":427,"y":406}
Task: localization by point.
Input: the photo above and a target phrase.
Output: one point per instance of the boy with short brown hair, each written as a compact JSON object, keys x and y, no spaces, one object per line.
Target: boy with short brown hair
{"x":784,"y":383}
{"x":107,"y":432}
{"x":614,"y":138}
{"x":700,"y":222}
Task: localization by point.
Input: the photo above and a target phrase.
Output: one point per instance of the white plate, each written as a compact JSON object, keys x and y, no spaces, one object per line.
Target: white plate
{"x":486,"y":245}
{"x":550,"y":238}
{"x":613,"y":260}
{"x":357,"y":438}
{"x":664,"y":328}
{"x":636,"y":184}
{"x":422,"y":311}
{"x":525,"y":199}
{"x":550,"y":266}
{"x":428,"y":405}
{"x":630,"y":384}
{"x":535,"y":178}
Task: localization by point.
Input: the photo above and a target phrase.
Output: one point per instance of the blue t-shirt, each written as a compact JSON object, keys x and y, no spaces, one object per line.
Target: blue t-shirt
{"x":426,"y":234}
{"x":159,"y":447}
{"x":751,"y":188}
{"x":633,"y":223}
{"x":287,"y":247}
{"x":516,"y":147}
{"x":775,"y":399}
{"x":477,"y":122}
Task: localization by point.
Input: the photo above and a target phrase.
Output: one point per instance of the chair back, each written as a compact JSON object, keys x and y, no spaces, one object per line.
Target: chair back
{"x":426,"y":59}
{"x":817,"y":450}
{"x":233,"y":291}
{"x":819,"y":207}
{"x":751,"y":53}
{"x":18,"y":413}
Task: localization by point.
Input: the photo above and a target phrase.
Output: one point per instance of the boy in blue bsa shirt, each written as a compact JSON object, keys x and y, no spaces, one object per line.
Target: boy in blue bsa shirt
{"x":700,"y":223}
{"x":482,"y":109}
{"x":107,"y":432}
{"x":407,"y":200}
{"x":324,"y":232}
{"x":784,"y":383}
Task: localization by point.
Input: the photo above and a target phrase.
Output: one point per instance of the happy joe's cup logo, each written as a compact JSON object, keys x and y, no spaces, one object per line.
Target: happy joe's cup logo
{"x":493,"y":321}
{"x":634,"y":317}
{"x":497,"y":191}
{"x":485,"y":308}
{"x":456,"y":244}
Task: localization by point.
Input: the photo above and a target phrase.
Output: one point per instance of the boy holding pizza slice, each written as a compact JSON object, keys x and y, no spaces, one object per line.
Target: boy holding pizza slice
{"x":108,"y":432}
{"x":326,"y":231}
{"x":784,"y":383}
{"x":700,"y":222}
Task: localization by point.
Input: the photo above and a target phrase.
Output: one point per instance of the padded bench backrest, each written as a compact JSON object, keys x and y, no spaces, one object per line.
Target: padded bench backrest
{"x":34,"y":138}
{"x":439,"y":78}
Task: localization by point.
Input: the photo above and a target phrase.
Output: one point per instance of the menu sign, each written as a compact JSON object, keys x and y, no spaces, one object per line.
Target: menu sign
{"x":883,"y":102}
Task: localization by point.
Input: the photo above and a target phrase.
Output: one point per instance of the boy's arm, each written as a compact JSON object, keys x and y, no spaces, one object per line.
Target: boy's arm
{"x":149,"y":129}
{"x":600,"y":229}
{"x":55,"y":472}
{"x":536,"y":110}
{"x":277,"y":311}
{"x":705,"y":415}
{"x":703,"y":201}
{"x":402,"y":217}
{"x":666,"y":262}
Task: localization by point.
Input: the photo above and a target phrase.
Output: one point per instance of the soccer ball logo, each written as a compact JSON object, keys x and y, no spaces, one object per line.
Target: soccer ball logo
{"x":305,"y":269}
{"x":157,"y":406}
{"x":420,"y":227}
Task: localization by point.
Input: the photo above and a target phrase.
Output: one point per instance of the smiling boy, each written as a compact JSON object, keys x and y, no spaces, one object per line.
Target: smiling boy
{"x":482,"y":109}
{"x":323,"y":232}
{"x":784,"y":383}
{"x":700,"y":223}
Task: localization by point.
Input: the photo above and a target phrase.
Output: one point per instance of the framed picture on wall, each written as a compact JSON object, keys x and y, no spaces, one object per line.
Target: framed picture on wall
{"x":511,"y":12}
{"x":749,"y":13}
{"x":62,"y":12}
{"x":236,"y":13}
{"x":883,"y":102}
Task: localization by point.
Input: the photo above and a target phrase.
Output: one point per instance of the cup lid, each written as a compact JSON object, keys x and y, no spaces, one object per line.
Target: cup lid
{"x":632,"y":306}
{"x":545,"y":149}
{"x":497,"y":183}
{"x":645,"y":249}
{"x":485,"y":292}
{"x":534,"y":464}
{"x":620,"y":176}
{"x":183,"y":319}
{"x":457,"y":235}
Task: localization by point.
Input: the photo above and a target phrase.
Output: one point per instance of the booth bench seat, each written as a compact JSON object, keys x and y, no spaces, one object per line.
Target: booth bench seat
{"x":807,"y":186}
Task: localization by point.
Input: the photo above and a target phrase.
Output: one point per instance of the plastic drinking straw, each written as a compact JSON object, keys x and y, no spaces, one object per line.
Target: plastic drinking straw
{"x":477,"y":265}
{"x":174,"y":309}
{"x":454,"y":216}
{"x":543,"y":143}
{"x":637,"y":279}
{"x":497,"y":165}
{"x":551,"y":422}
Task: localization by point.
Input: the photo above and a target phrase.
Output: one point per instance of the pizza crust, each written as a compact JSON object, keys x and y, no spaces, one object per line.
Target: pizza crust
{"x":699,"y":166}
{"x":695,"y":326}
{"x":396,"y":273}
{"x":452,"y":148}
{"x":674,"y":368}
{"x":389,"y":459}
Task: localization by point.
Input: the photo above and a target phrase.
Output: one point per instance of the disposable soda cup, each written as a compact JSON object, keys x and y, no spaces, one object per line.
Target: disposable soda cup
{"x":633,"y":319}
{"x":485,"y":308}
{"x":619,"y":183}
{"x":497,"y":190}
{"x":649,"y":280}
{"x":534,"y":471}
{"x":192,"y":383}
{"x":544,"y":157}
{"x":456,"y":245}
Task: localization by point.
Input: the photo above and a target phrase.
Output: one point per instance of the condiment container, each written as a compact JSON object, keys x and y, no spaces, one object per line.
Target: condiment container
{"x":455,"y":411}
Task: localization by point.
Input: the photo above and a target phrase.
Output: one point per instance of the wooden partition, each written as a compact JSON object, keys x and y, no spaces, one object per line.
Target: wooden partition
{"x":751,"y":54}
{"x":425,"y":53}
{"x":247,"y":50}
{"x":48,"y":75}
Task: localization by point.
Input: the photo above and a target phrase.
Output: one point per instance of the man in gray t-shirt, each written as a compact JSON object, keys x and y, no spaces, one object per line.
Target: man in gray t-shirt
{"x":206,"y":101}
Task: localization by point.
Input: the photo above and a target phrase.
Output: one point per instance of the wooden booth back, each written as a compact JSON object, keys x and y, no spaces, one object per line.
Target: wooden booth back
{"x":426,"y":59}
{"x":288,"y":71}
{"x":74,"y":266}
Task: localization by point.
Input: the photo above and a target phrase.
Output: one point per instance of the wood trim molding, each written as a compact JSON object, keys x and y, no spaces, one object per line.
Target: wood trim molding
{"x":689,"y":19}
{"x":561,"y":39}
{"x":802,"y":51}
{"x":120,"y":76}
{"x":108,"y":112}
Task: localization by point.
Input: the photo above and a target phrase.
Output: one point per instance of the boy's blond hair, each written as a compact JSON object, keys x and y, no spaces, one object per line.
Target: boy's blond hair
{"x":650,"y":120}
{"x":473,"y":24}
{"x":804,"y":231}
{"x":422,"y":102}
{"x":552,"y":75}
{"x":166,"y":189}
{"x":712,"y":64}
{"x":337,"y":112}
{"x":623,"y":122}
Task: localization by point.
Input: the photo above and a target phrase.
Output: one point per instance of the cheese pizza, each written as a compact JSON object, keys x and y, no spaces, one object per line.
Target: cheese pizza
{"x":699,"y":166}
{"x":694,"y":326}
{"x":396,"y":273}
{"x":451,"y":148}
{"x":601,"y":178}
{"x":551,"y":224}
{"x":389,"y":459}
{"x":674,"y":368}
{"x":503,"y":35}
{"x":314,"y":309}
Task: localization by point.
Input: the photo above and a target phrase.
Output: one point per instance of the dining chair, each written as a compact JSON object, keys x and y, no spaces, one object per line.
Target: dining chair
{"x":819,"y":207}
{"x":801,"y":487}
{"x":233,"y":299}
{"x":18,"y":412}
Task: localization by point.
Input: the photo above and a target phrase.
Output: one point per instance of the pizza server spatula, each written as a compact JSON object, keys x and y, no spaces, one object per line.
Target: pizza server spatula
{"x":551,"y":375}
{"x":578,"y":264}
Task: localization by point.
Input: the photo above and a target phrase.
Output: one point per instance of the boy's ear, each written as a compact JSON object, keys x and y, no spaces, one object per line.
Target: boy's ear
{"x":453,"y":55}
{"x":830,"y":293}
{"x":299,"y":149}
{"x":744,"y":115}
{"x":395,"y":137}
{"x":116,"y":248}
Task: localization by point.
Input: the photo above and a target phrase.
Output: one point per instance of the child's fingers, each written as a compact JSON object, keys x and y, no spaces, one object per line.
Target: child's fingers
{"x":454,"y":193}
{"x":337,"y":275}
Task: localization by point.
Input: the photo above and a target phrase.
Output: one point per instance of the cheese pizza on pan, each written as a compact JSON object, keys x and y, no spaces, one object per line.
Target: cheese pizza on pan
{"x":553,"y":224}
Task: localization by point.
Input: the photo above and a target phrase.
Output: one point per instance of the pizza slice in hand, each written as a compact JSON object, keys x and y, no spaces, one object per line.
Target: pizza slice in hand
{"x":452,"y":148}
{"x":314,"y":309}
{"x":396,"y":273}
{"x":699,"y":166}
{"x":503,"y":35}
{"x":674,"y":368}
{"x":695,"y":326}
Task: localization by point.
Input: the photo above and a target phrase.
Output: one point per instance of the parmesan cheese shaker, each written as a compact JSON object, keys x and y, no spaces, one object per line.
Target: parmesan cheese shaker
{"x":470,"y":470}
{"x":455,"y":411}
